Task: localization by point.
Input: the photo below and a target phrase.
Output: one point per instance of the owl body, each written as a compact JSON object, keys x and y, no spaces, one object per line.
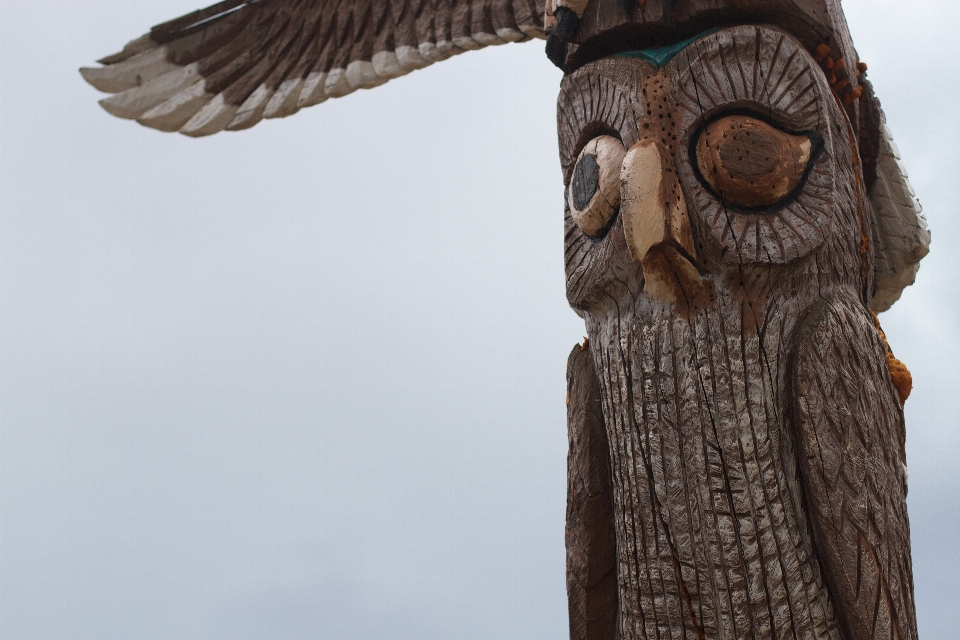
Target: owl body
{"x":754,"y":434}
{"x":712,"y":533}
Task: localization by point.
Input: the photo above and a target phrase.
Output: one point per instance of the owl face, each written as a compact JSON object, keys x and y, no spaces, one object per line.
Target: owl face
{"x":734,"y":155}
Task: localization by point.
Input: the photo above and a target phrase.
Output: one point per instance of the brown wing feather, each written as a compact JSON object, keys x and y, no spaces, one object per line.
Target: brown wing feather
{"x":849,"y":427}
{"x":236,"y":62}
{"x":194,"y":21}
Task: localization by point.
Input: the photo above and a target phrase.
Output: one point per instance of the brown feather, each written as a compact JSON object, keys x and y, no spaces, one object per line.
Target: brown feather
{"x":309,"y":50}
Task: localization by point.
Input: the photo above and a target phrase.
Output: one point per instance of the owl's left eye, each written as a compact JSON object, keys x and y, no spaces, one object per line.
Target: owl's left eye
{"x":594,"y":192}
{"x":749,"y":163}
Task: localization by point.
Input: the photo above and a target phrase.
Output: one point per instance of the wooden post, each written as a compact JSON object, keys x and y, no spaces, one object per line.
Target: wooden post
{"x":754,"y":428}
{"x":735,"y":213}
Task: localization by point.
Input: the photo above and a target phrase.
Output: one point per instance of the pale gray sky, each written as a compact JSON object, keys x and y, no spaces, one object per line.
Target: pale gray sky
{"x":307,"y":381}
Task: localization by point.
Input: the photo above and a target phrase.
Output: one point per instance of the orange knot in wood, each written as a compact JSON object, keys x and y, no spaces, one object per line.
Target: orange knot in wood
{"x":899,"y":374}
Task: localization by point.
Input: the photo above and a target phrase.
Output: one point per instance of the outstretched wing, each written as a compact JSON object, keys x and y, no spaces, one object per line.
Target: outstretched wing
{"x":236,"y":62}
{"x":850,"y":435}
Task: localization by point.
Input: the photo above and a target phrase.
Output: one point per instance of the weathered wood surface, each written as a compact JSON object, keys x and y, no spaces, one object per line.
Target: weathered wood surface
{"x":735,"y":206}
{"x":853,"y":464}
{"x":728,"y":524}
{"x":591,"y":536}
{"x":235,"y":63}
{"x":900,"y":235}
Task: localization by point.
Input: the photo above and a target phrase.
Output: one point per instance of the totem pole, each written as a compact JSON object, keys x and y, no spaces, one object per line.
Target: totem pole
{"x":736,"y":213}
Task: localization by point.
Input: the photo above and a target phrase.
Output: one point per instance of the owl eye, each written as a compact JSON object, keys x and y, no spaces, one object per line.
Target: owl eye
{"x":749,"y":163}
{"x":594,"y":192}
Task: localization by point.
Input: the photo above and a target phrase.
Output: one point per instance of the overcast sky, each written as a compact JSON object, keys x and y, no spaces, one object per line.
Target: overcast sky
{"x":307,"y":381}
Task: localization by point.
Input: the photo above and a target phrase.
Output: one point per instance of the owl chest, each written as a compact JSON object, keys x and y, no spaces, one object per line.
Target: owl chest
{"x":709,"y":533}
{"x":694,"y":414}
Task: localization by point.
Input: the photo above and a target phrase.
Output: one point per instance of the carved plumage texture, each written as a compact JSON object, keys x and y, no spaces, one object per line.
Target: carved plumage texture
{"x":900,"y":235}
{"x":851,"y":434}
{"x":237,"y":62}
{"x":735,"y":208}
{"x":590,"y":534}
{"x":727,"y":524}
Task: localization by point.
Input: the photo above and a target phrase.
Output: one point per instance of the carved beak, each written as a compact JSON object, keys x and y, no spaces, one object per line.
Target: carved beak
{"x":656,"y":225}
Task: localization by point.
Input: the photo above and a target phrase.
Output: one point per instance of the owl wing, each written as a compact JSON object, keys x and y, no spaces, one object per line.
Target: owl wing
{"x":900,"y":234}
{"x":232,"y":64}
{"x":590,"y":533}
{"x":850,"y":443}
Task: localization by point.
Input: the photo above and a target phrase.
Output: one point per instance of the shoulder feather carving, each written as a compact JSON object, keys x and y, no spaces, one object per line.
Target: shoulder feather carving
{"x":900,"y":234}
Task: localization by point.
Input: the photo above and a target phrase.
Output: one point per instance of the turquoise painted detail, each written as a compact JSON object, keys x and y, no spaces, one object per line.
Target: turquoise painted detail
{"x":660,"y":57}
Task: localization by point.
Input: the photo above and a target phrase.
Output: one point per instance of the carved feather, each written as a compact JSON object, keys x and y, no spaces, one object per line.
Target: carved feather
{"x":590,"y":534}
{"x":901,"y":238}
{"x":850,"y":443}
{"x":232,"y":64}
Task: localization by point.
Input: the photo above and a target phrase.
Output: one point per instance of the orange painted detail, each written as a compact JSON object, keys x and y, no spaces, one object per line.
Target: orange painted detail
{"x":852,"y":96}
{"x":840,"y":86}
{"x":899,"y":374}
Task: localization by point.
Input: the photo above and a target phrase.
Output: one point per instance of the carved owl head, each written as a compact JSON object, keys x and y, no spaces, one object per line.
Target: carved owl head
{"x":707,"y":162}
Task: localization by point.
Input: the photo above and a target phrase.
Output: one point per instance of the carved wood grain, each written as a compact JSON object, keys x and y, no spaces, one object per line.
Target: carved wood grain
{"x":849,"y":424}
{"x":590,"y":533}
{"x":715,"y":522}
{"x":736,"y":439}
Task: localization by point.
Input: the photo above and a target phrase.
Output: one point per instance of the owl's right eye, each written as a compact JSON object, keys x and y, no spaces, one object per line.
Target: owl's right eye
{"x":594,"y":192}
{"x":751,"y":164}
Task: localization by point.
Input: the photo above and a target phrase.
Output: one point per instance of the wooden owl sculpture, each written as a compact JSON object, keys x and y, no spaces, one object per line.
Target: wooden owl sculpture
{"x":735,"y":213}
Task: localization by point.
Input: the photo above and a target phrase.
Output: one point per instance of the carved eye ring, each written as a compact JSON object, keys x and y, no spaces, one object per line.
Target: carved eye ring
{"x":753,"y":165}
{"x":594,"y":192}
